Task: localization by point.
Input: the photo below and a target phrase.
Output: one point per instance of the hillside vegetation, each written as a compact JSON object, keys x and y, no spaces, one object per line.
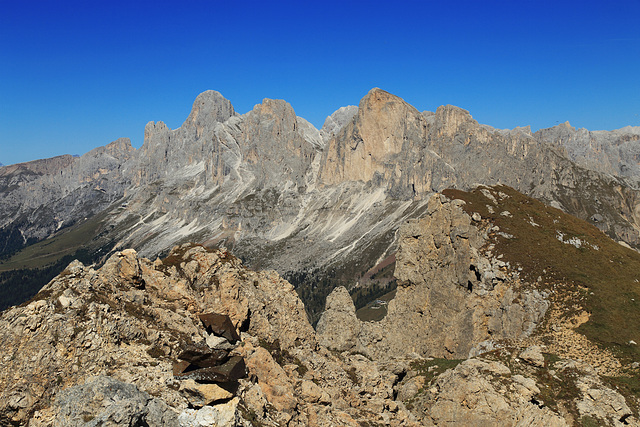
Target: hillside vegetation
{"x":570,"y":257}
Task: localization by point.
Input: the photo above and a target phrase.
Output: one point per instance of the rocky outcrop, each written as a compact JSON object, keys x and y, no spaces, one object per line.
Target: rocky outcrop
{"x":106,"y":401}
{"x":471,"y":394}
{"x":453,"y":290}
{"x":104,"y":347}
{"x":338,"y":328}
{"x":451,"y":298}
{"x":198,"y":339}
{"x":336,"y":121}
{"x":497,"y":390}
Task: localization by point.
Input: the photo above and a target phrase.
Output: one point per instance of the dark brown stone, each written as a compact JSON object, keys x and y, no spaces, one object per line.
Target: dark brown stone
{"x":221,"y":325}
{"x":232,"y":370}
{"x":180,"y":367}
{"x":202,"y":356}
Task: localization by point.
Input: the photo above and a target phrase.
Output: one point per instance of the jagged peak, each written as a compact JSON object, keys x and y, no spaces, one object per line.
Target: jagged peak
{"x":379,"y":103}
{"x":452,"y":110}
{"x":272,"y":107}
{"x":120,"y":148}
{"x":377,"y":96}
{"x":210,"y":105}
{"x":559,"y":129}
{"x":449,"y":118}
{"x":153,"y":127}
{"x":338,"y":119}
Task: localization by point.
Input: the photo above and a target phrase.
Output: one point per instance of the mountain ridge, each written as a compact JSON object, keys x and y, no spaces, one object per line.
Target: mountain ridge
{"x":309,"y":203}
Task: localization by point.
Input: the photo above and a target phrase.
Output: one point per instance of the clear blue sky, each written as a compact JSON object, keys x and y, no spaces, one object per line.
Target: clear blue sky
{"x":75,"y":75}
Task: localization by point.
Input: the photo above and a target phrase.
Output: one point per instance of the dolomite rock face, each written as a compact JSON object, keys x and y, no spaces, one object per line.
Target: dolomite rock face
{"x":184,"y":152}
{"x":336,"y":121}
{"x":381,"y":141}
{"x":308,"y":203}
{"x":38,"y":198}
{"x":613,"y":152}
{"x":476,"y":383}
{"x":451,"y":296}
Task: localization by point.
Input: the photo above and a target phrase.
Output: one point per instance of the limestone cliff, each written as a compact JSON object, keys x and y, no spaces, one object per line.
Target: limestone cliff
{"x":39,"y":198}
{"x":451,"y":297}
{"x":613,"y":152}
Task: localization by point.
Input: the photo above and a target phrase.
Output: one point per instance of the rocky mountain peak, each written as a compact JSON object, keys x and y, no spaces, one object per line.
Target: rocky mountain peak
{"x":49,"y":166}
{"x":120,"y":149}
{"x":337,"y":120}
{"x":152,"y":128}
{"x":450,"y":119}
{"x":275,"y":108}
{"x":384,"y":122}
{"x":209,"y":106}
{"x":567,"y":125}
{"x":276,"y":115}
{"x":612,"y":152}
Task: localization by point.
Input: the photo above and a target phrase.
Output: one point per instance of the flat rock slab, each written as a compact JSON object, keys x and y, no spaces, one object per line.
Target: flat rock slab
{"x":202,"y":356}
{"x":221,"y":325}
{"x":200,"y":395}
{"x":232,"y":370}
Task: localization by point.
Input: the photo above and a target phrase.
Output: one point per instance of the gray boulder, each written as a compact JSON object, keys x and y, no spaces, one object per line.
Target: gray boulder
{"x":338,"y":327}
{"x":105,"y":401}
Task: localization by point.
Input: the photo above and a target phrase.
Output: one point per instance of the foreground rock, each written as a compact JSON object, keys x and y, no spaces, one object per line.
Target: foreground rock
{"x":102,"y":347}
{"x":475,"y":335}
{"x":451,"y":298}
{"x":497,"y":338}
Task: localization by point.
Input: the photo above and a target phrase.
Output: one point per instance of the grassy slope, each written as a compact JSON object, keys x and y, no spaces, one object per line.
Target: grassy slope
{"x":24,"y":273}
{"x":607,"y":278}
{"x":49,"y":251}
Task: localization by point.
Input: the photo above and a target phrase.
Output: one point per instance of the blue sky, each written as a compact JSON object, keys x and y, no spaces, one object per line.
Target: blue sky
{"x":75,"y":75}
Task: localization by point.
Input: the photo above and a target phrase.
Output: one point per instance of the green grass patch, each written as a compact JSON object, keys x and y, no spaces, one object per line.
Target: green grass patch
{"x":374,"y":311}
{"x":51,"y":250}
{"x":605,"y":274}
{"x":430,"y":369}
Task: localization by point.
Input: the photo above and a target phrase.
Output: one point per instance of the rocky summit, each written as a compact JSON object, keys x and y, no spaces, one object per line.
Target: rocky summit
{"x":489,"y":326}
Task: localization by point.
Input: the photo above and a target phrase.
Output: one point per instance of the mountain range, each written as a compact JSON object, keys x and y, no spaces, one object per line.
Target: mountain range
{"x":322,"y":207}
